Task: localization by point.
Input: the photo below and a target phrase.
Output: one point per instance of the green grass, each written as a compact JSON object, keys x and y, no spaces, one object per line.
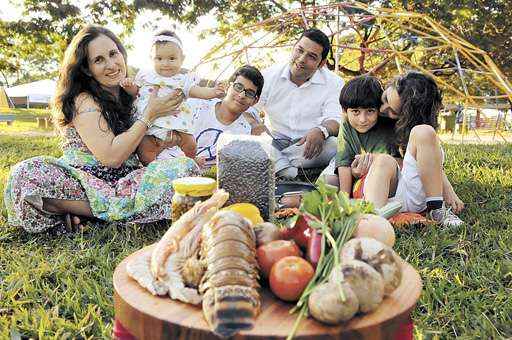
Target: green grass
{"x":25,"y":112}
{"x":61,"y":286}
{"x":25,"y":121}
{"x":23,"y":126}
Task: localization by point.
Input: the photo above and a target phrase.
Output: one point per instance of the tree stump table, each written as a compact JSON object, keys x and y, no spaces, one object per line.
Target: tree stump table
{"x":153,"y":317}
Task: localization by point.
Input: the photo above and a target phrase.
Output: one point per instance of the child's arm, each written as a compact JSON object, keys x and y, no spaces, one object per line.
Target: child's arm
{"x":129,"y":86}
{"x":257,"y":127}
{"x":450,"y":197}
{"x":344,"y":158}
{"x":345,"y":178}
{"x":361,"y":164}
{"x":207,"y":92}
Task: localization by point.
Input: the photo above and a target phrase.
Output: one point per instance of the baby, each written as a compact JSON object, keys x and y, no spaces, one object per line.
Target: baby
{"x":167,"y":56}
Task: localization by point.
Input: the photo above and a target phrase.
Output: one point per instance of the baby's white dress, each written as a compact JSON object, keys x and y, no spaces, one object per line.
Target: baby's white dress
{"x":146,"y":79}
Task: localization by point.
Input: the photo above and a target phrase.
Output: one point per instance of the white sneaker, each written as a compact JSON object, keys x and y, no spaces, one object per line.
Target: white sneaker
{"x":288,"y":173}
{"x":445,"y":217}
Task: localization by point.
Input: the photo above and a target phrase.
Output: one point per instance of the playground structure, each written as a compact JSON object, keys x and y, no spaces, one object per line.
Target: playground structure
{"x":385,"y":42}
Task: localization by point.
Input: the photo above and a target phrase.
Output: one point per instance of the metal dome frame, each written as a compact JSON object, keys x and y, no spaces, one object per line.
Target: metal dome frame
{"x":380,"y":39}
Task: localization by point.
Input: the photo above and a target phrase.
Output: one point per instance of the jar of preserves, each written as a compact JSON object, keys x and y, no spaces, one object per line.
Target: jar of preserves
{"x":188,"y":191}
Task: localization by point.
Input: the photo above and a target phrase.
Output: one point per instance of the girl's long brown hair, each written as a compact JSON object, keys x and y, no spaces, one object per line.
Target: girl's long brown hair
{"x":421,"y":101}
{"x":74,"y":80}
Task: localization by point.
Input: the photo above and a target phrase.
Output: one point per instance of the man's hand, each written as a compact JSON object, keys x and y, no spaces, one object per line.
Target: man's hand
{"x":201,"y":161}
{"x":171,"y":141}
{"x":361,"y":165}
{"x":314,"y":141}
{"x":219,"y":90}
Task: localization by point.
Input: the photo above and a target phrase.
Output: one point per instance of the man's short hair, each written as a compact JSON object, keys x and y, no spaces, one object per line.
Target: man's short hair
{"x":251,"y":73}
{"x":363,"y":91}
{"x":320,"y":38}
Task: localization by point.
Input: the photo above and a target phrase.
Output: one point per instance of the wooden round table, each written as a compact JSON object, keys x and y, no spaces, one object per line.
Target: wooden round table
{"x":153,"y":317}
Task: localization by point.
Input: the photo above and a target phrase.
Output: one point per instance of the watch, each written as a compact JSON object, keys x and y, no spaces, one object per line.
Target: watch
{"x":324,"y":131}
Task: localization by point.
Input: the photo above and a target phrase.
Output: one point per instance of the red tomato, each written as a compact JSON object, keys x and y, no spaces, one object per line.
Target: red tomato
{"x":271,"y":252}
{"x":300,"y":232}
{"x":289,"y":277}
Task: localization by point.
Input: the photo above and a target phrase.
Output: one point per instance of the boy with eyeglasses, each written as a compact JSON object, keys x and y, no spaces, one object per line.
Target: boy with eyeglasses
{"x":213,"y":117}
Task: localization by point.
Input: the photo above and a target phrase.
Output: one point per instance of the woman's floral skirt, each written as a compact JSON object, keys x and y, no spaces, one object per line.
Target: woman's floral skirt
{"x":141,"y":196}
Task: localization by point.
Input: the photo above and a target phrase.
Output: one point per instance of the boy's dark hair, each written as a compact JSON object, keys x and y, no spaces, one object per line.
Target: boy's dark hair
{"x":251,"y":73}
{"x":168,"y":33}
{"x":363,"y":91}
{"x":320,"y":38}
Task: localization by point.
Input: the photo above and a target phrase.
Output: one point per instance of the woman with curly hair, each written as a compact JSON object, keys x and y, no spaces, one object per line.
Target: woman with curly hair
{"x":99,"y":175}
{"x":414,"y":100}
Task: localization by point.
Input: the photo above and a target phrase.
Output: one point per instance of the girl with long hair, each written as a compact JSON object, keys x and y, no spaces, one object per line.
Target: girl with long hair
{"x":414,"y":100}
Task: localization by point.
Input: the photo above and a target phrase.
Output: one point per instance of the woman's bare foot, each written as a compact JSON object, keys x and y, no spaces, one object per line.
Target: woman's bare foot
{"x":74,"y":223}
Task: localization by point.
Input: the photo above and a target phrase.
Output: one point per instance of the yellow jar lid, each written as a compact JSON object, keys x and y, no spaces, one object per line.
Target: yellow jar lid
{"x":194,"y":186}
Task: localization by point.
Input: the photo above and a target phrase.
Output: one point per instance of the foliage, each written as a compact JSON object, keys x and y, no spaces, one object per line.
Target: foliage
{"x":31,"y":48}
{"x":61,"y":286}
{"x":484,"y":23}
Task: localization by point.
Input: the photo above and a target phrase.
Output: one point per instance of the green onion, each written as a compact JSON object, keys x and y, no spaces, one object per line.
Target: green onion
{"x":337,"y":223}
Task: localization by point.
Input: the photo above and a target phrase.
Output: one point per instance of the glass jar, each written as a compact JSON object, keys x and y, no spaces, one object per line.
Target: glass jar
{"x":188,"y":191}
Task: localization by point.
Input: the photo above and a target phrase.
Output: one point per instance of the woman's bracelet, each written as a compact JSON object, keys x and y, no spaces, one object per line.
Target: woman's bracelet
{"x":145,"y":122}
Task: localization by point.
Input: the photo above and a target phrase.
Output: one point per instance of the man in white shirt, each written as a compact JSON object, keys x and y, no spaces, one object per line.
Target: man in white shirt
{"x":213,"y":117}
{"x":301,"y":106}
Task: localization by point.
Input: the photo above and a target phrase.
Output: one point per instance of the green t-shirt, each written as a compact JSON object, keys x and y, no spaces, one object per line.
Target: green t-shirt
{"x":379,"y":139}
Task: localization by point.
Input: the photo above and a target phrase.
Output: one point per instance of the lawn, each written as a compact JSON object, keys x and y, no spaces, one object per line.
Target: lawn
{"x":25,"y":122}
{"x":25,"y":112}
{"x":61,"y":286}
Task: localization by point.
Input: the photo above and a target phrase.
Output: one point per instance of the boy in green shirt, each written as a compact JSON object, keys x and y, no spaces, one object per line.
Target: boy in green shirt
{"x":363,"y":136}
{"x":363,"y":132}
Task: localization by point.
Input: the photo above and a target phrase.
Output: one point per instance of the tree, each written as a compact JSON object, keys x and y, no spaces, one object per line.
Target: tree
{"x":484,"y":23}
{"x":33,"y":46}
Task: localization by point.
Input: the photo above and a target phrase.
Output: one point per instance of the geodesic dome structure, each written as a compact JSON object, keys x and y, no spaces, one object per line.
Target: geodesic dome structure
{"x":381,"y":41}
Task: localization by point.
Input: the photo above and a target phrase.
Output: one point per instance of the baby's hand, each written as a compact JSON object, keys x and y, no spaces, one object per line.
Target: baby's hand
{"x":219,"y":90}
{"x":129,"y":86}
{"x":200,"y":160}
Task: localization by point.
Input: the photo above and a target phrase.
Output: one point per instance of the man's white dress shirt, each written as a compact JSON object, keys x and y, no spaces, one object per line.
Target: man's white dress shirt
{"x":291,"y":110}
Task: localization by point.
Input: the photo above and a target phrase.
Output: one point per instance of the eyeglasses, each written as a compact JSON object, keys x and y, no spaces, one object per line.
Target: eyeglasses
{"x":239,"y":88}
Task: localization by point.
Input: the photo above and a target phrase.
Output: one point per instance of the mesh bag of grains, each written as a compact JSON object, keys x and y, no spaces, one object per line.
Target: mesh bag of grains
{"x":245,"y":169}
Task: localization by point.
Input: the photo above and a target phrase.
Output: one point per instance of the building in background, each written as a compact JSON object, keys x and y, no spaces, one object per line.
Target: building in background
{"x":36,"y":94}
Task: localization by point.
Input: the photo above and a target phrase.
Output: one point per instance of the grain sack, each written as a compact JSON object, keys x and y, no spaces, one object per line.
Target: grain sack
{"x":245,"y":169}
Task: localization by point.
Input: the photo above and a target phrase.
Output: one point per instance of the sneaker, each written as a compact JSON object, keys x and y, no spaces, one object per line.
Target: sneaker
{"x":445,"y":217}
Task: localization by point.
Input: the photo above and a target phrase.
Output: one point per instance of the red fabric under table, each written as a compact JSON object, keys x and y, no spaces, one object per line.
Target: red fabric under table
{"x":404,"y":331}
